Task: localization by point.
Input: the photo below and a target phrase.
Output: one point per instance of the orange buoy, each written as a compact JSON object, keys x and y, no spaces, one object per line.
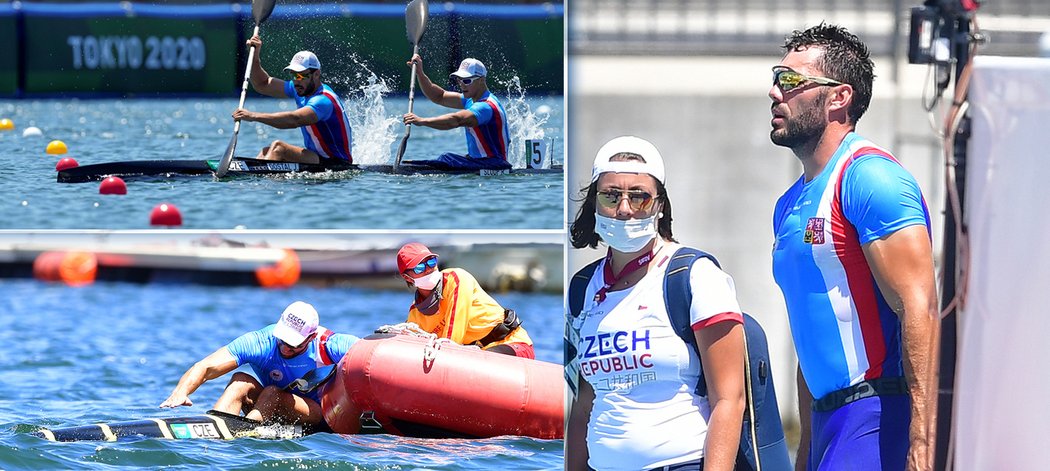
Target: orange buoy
{"x":165,"y":214}
{"x":113,"y":186}
{"x":283,"y":274}
{"x":71,"y":268}
{"x":65,"y":163}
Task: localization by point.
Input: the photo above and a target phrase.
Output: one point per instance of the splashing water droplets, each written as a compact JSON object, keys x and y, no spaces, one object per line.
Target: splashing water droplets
{"x":524,"y":123}
{"x":372,"y":127}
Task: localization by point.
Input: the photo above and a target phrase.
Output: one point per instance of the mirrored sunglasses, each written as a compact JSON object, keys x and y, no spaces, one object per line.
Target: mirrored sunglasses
{"x":468,"y":80}
{"x":424,"y":265}
{"x":788,"y":79}
{"x":637,"y":200}
{"x":301,"y":75}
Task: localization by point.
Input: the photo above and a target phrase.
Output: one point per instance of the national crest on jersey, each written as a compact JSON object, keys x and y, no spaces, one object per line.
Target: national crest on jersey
{"x":814,"y":231}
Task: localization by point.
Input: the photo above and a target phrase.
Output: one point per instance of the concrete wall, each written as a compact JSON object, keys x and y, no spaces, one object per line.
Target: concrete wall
{"x":710,"y":119}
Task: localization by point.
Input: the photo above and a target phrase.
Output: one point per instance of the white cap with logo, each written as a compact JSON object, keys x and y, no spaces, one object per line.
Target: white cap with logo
{"x":470,"y":68}
{"x":298,"y":322}
{"x":303,"y":60}
{"x":653,"y":165}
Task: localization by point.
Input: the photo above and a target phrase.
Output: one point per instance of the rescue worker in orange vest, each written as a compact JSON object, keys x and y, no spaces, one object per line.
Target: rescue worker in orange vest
{"x":451,"y":304}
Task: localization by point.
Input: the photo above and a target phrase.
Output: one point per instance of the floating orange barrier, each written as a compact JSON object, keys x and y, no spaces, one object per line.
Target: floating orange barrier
{"x":71,"y":268}
{"x":283,"y":274}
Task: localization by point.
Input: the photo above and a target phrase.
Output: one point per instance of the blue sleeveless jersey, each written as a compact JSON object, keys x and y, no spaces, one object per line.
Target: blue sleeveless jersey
{"x":844,"y":332}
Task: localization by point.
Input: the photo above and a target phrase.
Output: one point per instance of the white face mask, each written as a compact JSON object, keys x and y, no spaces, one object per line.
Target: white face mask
{"x":625,"y":236}
{"x":427,"y":281}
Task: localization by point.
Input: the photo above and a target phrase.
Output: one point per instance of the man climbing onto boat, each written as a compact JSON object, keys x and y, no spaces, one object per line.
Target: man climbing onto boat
{"x":279,"y":354}
{"x":319,"y":114}
{"x":451,"y":304}
{"x":481,"y":115}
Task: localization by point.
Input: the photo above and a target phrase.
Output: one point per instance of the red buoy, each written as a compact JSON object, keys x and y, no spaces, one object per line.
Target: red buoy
{"x":66,"y":162}
{"x":165,"y":214}
{"x":112,"y":186}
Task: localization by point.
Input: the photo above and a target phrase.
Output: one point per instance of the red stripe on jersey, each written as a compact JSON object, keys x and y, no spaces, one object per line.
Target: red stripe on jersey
{"x":344,"y":140}
{"x":858,"y":274}
{"x":498,"y":126}
{"x":455,"y":301}
{"x":725,"y":316}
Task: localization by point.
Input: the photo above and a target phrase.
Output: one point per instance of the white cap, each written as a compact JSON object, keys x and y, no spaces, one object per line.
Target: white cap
{"x":470,"y":68}
{"x":303,"y":60}
{"x":298,"y":322}
{"x":653,"y":165}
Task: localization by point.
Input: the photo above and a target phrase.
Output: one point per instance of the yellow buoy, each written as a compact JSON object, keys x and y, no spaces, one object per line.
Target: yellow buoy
{"x":6,"y":124}
{"x":56,"y":147}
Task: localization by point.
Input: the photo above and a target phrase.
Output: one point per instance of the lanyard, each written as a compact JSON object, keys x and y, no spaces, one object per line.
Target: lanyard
{"x":611,"y":279}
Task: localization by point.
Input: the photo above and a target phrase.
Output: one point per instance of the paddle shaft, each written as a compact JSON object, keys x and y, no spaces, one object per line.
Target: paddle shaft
{"x":411,"y":99}
{"x":412,"y":87}
{"x":244,"y":85}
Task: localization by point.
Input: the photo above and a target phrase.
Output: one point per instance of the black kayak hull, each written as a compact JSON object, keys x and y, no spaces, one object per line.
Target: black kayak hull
{"x":140,"y":168}
{"x":249,"y":166}
{"x":213,"y":426}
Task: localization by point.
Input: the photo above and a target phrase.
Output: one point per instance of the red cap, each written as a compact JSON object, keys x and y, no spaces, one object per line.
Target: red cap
{"x":411,"y":254}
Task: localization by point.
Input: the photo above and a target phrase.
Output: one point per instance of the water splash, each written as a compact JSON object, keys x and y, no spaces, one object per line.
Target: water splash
{"x":372,"y":127}
{"x":524,"y":123}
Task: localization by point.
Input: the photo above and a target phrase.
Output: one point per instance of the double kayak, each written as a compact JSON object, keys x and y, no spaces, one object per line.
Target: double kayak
{"x":250,"y":166}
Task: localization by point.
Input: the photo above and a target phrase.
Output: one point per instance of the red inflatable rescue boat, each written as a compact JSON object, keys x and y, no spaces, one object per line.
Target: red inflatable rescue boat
{"x":419,"y":387}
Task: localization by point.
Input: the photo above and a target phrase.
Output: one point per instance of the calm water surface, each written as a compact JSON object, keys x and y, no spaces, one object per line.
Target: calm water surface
{"x":108,"y":130}
{"x":113,"y":351}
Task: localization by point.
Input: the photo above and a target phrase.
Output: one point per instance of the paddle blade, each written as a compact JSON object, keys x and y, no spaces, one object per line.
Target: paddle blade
{"x":227,"y":157}
{"x":312,"y":380}
{"x":261,"y":10}
{"x":416,"y":19}
{"x":401,"y":148}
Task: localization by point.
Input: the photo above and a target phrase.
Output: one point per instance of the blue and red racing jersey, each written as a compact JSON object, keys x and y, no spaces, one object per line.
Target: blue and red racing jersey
{"x":843,"y":329}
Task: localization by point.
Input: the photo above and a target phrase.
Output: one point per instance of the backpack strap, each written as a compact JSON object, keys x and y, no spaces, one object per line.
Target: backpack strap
{"x":678,"y":296}
{"x":762,"y":434}
{"x":577,"y":291}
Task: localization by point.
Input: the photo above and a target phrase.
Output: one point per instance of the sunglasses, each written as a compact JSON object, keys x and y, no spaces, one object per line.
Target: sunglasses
{"x":424,"y":265}
{"x":788,"y":79}
{"x":289,"y":346}
{"x":637,"y":200}
{"x":468,"y":80}
{"x":303,"y":74}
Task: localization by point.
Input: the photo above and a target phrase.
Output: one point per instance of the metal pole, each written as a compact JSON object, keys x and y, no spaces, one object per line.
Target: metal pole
{"x":946,"y":388}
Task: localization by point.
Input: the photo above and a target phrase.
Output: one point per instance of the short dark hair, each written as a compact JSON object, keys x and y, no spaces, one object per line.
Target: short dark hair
{"x":581,"y":232}
{"x":845,"y":59}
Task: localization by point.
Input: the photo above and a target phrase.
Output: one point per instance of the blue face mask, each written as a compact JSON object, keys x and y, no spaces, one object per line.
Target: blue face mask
{"x":625,"y":236}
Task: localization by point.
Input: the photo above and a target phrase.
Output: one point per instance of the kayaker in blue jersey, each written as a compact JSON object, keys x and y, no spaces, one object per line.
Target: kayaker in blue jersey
{"x":481,"y":115}
{"x":319,"y":113}
{"x":278,"y":354}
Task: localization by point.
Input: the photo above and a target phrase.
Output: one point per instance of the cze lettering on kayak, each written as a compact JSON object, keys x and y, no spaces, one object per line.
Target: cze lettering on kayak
{"x":127,"y":52}
{"x":204,"y":431}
